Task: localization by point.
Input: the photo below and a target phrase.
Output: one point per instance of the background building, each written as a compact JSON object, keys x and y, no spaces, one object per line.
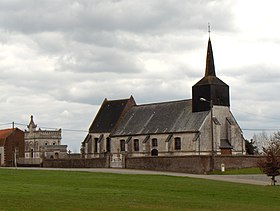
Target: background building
{"x":11,"y":146}
{"x":41,"y":144}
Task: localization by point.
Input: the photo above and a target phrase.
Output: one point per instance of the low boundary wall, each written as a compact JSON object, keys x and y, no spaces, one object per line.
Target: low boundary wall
{"x":76,"y":163}
{"x":186,"y":164}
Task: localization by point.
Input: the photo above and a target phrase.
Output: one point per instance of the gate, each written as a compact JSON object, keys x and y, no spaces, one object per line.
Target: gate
{"x":116,"y":161}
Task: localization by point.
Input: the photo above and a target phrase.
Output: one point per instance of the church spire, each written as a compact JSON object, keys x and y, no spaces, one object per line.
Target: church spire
{"x":210,"y":66}
{"x":210,"y":87}
{"x":31,"y":126}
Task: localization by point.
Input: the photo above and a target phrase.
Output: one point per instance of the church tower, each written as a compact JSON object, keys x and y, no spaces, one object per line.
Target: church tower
{"x":210,"y":87}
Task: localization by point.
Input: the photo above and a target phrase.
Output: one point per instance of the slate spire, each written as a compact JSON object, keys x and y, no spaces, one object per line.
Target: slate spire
{"x":210,"y":66}
{"x":210,"y":87}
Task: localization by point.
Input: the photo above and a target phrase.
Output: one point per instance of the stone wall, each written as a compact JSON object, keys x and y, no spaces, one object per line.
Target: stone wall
{"x":185,"y":164}
{"x":191,"y":164}
{"x":76,"y":163}
{"x":235,"y":162}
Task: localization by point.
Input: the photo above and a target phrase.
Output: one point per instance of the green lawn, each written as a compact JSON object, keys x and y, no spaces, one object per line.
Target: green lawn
{"x":61,"y":190}
{"x":238,"y":171}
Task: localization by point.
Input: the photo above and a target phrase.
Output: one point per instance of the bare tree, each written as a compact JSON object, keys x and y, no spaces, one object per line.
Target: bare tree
{"x":270,"y":165}
{"x":261,"y":140}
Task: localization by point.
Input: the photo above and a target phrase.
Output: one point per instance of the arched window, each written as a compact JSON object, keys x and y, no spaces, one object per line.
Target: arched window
{"x":136,"y":145}
{"x":154,"y":152}
{"x":122,"y":145}
{"x":108,"y":144}
{"x":95,"y":144}
{"x":26,"y":146}
{"x":56,"y":156}
{"x":36,"y":146}
{"x":177,"y":143}
{"x":53,"y":143}
{"x":46,"y":143}
{"x":154,"y":142}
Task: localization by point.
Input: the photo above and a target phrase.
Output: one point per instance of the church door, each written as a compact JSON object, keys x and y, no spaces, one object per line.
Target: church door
{"x":154,"y":152}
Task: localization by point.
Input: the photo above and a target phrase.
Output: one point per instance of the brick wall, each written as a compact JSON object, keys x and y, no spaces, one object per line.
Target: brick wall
{"x":191,"y":164}
{"x":76,"y":163}
{"x":235,"y":162}
{"x":13,"y":142}
{"x":186,"y":164}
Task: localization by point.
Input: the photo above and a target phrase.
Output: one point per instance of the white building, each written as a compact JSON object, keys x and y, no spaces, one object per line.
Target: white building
{"x":41,"y":144}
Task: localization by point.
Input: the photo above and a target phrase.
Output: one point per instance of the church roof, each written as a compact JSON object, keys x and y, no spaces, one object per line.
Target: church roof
{"x":166,"y":117}
{"x":109,"y":114}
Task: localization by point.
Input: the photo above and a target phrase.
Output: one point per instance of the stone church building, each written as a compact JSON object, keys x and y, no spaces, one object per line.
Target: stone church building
{"x":203,"y":125}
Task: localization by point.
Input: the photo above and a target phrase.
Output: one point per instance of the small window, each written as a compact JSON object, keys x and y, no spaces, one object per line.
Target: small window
{"x":56,"y":155}
{"x":26,"y":146}
{"x":136,"y":145}
{"x":36,"y":146}
{"x":95,"y":144}
{"x":177,"y":143}
{"x":46,"y":143}
{"x":122,"y":145}
{"x":108,"y":144}
{"x":154,"y":142}
{"x":53,"y":143}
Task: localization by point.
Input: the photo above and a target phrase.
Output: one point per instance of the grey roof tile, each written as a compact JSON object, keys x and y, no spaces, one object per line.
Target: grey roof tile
{"x":109,"y":114}
{"x":166,"y":117}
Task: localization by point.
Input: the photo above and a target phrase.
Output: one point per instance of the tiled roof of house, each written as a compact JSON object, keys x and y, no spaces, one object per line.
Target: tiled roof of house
{"x":4,"y":134}
{"x":166,"y":117}
{"x":109,"y":114}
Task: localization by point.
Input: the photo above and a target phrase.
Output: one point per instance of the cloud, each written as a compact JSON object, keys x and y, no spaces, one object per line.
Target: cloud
{"x":60,"y":59}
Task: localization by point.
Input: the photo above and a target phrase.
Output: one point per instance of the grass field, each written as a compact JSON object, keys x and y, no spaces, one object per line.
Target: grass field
{"x":61,"y":190}
{"x":238,"y":171}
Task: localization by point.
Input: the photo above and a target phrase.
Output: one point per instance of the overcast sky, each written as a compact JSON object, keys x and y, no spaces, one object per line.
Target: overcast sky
{"x":59,"y":59}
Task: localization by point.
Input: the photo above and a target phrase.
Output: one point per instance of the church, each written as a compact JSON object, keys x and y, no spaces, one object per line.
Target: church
{"x":203,"y":125}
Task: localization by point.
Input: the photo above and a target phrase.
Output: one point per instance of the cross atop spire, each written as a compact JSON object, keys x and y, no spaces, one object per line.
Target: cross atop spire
{"x":209,"y":29}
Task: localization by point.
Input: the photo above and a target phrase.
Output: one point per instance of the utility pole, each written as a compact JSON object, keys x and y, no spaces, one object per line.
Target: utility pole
{"x":212,"y":132}
{"x":14,"y":144}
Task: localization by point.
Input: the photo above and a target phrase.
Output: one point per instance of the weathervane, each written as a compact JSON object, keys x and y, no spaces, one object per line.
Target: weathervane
{"x":209,"y":29}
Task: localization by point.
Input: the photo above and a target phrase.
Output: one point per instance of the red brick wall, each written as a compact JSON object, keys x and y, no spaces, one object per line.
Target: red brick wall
{"x":186,"y":164}
{"x":75,"y":163}
{"x":14,"y":141}
{"x":235,"y":162}
{"x":191,"y":164}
